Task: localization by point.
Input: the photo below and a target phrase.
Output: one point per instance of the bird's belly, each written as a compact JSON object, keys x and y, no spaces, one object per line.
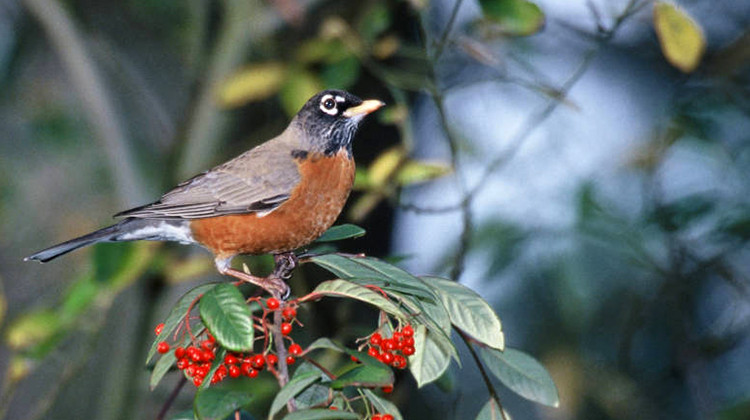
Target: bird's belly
{"x":313,"y":206}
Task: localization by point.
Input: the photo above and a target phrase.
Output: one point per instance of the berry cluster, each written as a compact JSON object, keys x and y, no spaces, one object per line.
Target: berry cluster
{"x":382,"y":417}
{"x":196,"y":360}
{"x":393,"y":351}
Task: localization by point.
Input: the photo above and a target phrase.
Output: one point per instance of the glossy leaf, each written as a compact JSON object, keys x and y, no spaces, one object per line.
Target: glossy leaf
{"x":227,"y":316}
{"x":382,"y":405}
{"x":431,"y":358}
{"x":215,"y":365}
{"x":253,"y":83}
{"x":365,"y":375}
{"x":321,"y":414}
{"x":521,"y":373}
{"x":337,"y":233}
{"x":681,"y":38}
{"x":364,"y":268}
{"x":177,"y":315}
{"x":347,"y":289}
{"x":296,"y":385}
{"x":217,"y":403}
{"x":513,"y":17}
{"x":491,"y":411}
{"x":469,"y":312}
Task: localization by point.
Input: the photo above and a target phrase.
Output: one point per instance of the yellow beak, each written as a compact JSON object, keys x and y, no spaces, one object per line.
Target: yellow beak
{"x":366,"y":107}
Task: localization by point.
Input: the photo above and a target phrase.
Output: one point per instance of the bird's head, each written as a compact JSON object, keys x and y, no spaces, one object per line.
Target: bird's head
{"x":330,"y":119}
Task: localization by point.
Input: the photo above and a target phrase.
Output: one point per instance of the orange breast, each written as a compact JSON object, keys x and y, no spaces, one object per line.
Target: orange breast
{"x":313,"y":206}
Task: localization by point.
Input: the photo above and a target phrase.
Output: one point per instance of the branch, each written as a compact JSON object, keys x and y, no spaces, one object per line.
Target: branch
{"x":485,"y":377}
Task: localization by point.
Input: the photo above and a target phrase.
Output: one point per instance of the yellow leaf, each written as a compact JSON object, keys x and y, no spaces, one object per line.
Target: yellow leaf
{"x":253,"y":83}
{"x":413,"y":172}
{"x":32,"y":328}
{"x":681,"y":38}
{"x":385,"y":166}
{"x":19,"y":368}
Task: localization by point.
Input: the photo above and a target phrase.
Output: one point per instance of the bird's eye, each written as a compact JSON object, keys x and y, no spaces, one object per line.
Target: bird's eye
{"x":328,"y":105}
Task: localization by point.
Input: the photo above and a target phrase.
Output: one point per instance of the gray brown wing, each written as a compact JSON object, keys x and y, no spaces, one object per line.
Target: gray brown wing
{"x":259,"y":180}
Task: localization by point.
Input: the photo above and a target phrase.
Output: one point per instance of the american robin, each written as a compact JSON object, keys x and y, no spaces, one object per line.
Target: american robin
{"x":274,"y":198}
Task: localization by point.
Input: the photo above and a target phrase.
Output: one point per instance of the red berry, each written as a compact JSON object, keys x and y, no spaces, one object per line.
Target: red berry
{"x":408,"y":331}
{"x":272,"y":304}
{"x":234,"y":371}
{"x":290,"y":360}
{"x":208,"y":356}
{"x":182,"y":363}
{"x":253,"y":373}
{"x":246,"y":368}
{"x":388,"y":389}
{"x":195,"y":355}
{"x":399,"y":361}
{"x":289,"y":313}
{"x":386,"y":358}
{"x":198,"y":380}
{"x":272,"y":359}
{"x":162,"y":347}
{"x":354,"y":359}
{"x":207,"y":345}
{"x":389,"y":344}
{"x":159,"y":328}
{"x":190,"y":370}
{"x":386,"y":417}
{"x":215,"y":379}
{"x":258,"y":361}
{"x":179,"y":352}
{"x":372,"y":351}
{"x":286,"y":328}
{"x":376,"y":339}
{"x":408,"y":351}
{"x":333,"y":407}
{"x":230,"y":359}
{"x":396,"y":337}
{"x":222,"y":371}
{"x":377,"y":417}
{"x":408,"y":342}
{"x":295,"y":349}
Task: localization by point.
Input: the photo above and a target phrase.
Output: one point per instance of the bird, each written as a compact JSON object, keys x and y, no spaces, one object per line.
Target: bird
{"x":272,"y":199}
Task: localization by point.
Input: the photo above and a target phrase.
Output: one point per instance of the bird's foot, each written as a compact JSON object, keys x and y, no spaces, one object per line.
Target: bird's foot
{"x":274,"y":285}
{"x":285,"y":264}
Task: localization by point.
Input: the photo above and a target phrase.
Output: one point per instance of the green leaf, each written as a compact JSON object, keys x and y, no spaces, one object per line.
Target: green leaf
{"x":215,"y":365}
{"x":522,"y":374}
{"x":177,"y":315}
{"x":491,"y":411}
{"x":340,"y":232}
{"x":32,"y":329}
{"x":183,"y":415}
{"x":364,"y":268}
{"x":341,"y":74}
{"x":298,"y":384}
{"x":431,"y":357}
{"x":299,"y":87}
{"x":321,"y":414}
{"x":227,"y":316}
{"x":469,"y":312}
{"x":165,"y":362}
{"x":253,"y":83}
{"x":326,"y":343}
{"x":382,"y":405}
{"x":343,"y":288}
{"x":681,"y":38}
{"x":218,"y":403}
{"x":315,"y":394}
{"x":513,"y":17}
{"x":365,"y":375}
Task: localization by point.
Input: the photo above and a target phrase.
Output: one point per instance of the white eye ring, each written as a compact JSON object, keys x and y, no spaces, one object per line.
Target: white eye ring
{"x":328,"y":105}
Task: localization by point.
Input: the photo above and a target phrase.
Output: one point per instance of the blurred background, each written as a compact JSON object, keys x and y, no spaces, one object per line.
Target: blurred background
{"x":570,"y":160}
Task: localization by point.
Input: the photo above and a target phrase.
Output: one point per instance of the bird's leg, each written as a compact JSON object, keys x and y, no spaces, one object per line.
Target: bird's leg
{"x":274,"y":285}
{"x":285,"y":263}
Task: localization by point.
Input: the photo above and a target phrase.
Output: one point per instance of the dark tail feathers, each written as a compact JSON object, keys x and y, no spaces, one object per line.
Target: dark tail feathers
{"x":101,"y":235}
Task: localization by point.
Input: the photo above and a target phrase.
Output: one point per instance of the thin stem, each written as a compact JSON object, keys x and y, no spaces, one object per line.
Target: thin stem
{"x":485,"y":377}
{"x":282,"y":375}
{"x":440,"y":47}
{"x":172,"y":396}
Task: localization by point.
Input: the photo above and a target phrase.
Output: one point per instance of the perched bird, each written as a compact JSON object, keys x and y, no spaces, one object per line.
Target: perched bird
{"x":274,"y":198}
